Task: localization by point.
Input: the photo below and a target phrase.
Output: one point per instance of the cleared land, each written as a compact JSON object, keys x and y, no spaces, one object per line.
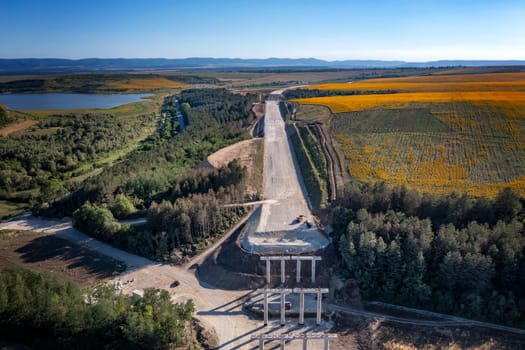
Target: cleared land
{"x":273,"y":227}
{"x":247,"y":153}
{"x":46,"y":252}
{"x":17,"y":127}
{"x":463,"y":133}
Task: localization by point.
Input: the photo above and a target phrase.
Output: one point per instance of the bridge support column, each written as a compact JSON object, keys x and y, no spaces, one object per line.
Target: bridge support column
{"x":319,"y":307}
{"x":313,"y":271}
{"x":265,"y":307}
{"x":298,"y":276}
{"x":283,"y":272}
{"x":301,"y":308}
{"x":283,"y":309}
{"x":268,"y":271}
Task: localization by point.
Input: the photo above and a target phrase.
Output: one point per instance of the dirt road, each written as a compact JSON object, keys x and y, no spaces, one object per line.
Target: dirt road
{"x":217,"y":309}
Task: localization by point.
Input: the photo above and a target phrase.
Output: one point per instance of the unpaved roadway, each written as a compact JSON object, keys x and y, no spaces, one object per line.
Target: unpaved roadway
{"x":273,"y":227}
{"x":217,"y":309}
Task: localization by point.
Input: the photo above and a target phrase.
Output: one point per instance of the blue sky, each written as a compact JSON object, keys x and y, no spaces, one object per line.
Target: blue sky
{"x":375,"y":29}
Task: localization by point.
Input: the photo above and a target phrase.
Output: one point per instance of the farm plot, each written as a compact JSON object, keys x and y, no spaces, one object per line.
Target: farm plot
{"x":437,"y":133}
{"x":438,"y":149}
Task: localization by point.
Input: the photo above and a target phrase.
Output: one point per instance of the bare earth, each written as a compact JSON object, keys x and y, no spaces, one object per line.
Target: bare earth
{"x":273,"y":227}
{"x":245,"y":152}
{"x":12,"y":128}
{"x":47,"y":252}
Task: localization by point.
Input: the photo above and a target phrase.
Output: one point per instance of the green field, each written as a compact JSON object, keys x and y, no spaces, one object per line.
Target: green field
{"x":312,"y":162}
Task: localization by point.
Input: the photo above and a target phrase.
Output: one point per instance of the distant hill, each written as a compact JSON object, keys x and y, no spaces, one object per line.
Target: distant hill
{"x":58,"y":65}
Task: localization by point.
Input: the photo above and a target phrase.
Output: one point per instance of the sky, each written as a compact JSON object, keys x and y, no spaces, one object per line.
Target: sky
{"x":415,"y":30}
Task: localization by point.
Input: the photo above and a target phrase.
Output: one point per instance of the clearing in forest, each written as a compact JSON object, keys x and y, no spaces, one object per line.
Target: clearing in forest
{"x":438,"y":133}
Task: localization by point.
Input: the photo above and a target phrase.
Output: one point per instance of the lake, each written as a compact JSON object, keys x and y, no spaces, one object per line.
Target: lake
{"x":56,"y":101}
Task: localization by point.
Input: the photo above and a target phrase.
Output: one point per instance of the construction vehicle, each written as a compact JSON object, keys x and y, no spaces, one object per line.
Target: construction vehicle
{"x":300,"y":218}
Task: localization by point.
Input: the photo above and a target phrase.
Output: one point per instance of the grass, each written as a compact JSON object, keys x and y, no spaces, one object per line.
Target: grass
{"x":259,"y":168}
{"x":90,"y":83}
{"x":146,"y":84}
{"x":10,"y":209}
{"x":130,"y":110}
{"x":463,"y":133}
{"x":313,"y":113}
{"x":437,"y":83}
{"x":311,"y":162}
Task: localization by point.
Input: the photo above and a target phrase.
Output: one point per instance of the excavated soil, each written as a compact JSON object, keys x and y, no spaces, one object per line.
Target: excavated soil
{"x":232,"y":268}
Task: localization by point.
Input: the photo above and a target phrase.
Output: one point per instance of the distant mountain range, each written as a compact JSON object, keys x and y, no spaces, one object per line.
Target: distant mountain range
{"x":57,"y":65}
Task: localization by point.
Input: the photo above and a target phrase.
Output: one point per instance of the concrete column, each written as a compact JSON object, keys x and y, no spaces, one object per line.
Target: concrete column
{"x":268,"y":271}
{"x":326,"y":346}
{"x":282,"y":344}
{"x":261,"y":343}
{"x":313,"y":271}
{"x":283,"y":272}
{"x":305,"y":343}
{"x":319,"y":310}
{"x":283,"y":301}
{"x":298,"y":277}
{"x":265,"y":307}
{"x":301,"y":308}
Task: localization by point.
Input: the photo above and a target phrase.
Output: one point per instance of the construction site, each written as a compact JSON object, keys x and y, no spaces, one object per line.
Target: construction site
{"x":269,"y":283}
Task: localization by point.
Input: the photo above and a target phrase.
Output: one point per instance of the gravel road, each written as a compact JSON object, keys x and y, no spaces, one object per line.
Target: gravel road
{"x":273,"y":227}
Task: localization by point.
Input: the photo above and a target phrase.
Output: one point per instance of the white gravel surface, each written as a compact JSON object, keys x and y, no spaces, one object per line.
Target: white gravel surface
{"x":272,"y":228}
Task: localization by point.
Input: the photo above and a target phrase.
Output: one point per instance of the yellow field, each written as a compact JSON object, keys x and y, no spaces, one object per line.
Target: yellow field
{"x":436,"y":83}
{"x":147,"y":84}
{"x":479,"y":148}
{"x":353,"y":103}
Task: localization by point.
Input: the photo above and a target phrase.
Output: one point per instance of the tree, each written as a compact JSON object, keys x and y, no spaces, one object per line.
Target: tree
{"x":122,"y":206}
{"x":96,"y":221}
{"x":507,"y":205}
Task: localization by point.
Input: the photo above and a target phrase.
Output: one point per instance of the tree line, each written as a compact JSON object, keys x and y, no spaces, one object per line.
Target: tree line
{"x":185,"y":217}
{"x":453,"y":254}
{"x":49,"y":313}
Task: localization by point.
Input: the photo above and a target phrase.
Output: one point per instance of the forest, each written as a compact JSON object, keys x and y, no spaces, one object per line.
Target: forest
{"x":60,"y":315}
{"x":187,"y":216}
{"x":453,"y":254}
{"x":159,"y":180}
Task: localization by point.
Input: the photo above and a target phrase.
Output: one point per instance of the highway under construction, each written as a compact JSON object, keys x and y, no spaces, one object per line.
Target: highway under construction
{"x":274,"y":227}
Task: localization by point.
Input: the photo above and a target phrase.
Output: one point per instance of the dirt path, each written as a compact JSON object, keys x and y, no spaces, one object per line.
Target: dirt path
{"x":443,"y":321}
{"x":17,"y":127}
{"x":218,"y":310}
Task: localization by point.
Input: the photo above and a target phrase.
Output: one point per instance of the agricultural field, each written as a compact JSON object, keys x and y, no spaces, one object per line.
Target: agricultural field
{"x":438,"y":133}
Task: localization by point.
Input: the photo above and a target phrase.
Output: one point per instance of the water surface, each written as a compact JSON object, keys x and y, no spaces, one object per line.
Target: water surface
{"x":57,"y":101}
